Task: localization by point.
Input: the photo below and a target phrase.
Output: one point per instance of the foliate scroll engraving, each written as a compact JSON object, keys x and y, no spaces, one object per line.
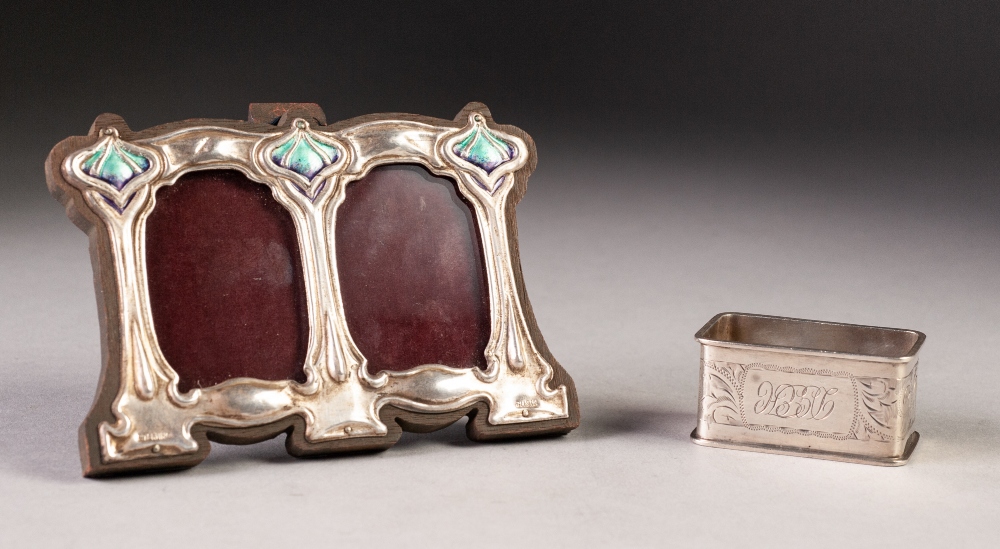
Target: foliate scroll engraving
{"x":885,"y":403}
{"x":907,"y":408}
{"x":820,"y":403}
{"x":721,"y":394}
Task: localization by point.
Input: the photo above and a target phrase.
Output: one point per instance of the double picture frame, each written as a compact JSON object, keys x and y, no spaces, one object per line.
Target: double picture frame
{"x":339,"y":283}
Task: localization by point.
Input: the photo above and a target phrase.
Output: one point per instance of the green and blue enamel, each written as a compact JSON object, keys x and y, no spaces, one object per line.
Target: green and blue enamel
{"x":485,"y":149}
{"x":115,"y":165}
{"x":304,"y":155}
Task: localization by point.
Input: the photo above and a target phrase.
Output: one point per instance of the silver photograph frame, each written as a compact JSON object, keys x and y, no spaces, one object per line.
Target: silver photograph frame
{"x":142,"y":421}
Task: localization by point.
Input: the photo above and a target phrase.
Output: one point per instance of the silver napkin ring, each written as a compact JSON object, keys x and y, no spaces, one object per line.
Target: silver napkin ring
{"x":808,"y":388}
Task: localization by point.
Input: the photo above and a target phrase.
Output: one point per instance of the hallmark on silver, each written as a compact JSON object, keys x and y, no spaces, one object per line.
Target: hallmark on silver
{"x":152,"y":437}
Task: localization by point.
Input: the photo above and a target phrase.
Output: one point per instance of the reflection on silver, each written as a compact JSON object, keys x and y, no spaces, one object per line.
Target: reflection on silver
{"x":339,"y":398}
{"x":802,"y":387}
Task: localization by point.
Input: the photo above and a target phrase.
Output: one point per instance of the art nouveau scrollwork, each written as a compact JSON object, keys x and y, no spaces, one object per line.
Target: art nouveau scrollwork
{"x":109,"y":180}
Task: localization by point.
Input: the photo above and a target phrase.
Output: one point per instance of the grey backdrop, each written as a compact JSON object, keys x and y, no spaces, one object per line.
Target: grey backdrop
{"x":820,"y":161}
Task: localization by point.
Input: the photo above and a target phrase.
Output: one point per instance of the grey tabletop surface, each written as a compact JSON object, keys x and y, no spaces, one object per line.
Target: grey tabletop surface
{"x":624,"y":260}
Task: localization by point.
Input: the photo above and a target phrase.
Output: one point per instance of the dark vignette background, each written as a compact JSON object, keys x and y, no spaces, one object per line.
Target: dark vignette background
{"x":829,"y":160}
{"x":919,"y":71}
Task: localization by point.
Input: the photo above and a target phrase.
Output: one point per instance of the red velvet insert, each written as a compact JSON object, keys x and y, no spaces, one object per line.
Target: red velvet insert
{"x":225,"y":281}
{"x":411,"y":271}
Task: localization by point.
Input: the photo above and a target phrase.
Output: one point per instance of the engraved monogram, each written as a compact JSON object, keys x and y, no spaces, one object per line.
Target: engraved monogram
{"x":788,"y":400}
{"x":798,"y":401}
